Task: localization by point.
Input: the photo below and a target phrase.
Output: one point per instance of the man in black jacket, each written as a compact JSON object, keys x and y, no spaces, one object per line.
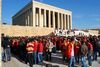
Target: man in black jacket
{"x":98,"y":44}
{"x":6,"y":55}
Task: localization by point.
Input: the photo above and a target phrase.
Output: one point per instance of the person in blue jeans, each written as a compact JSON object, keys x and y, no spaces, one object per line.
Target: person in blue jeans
{"x":84,"y":51}
{"x":89,"y":60}
{"x":83,"y":59}
{"x":95,"y":47}
{"x":40,"y":58}
{"x":35,"y":57}
{"x":95,"y":55}
{"x":6,"y":55}
{"x":71,"y":62}
{"x":90,"y":52}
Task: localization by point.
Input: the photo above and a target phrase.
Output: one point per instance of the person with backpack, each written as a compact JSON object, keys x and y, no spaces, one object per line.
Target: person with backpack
{"x":84,"y":51}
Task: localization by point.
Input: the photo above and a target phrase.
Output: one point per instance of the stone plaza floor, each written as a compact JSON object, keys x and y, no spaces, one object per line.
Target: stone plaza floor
{"x":56,"y":62}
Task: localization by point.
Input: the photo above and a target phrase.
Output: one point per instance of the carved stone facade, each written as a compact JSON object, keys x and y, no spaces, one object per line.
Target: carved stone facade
{"x":37,"y":14}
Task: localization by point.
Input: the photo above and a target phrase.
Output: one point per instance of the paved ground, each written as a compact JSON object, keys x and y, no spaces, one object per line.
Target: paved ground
{"x":56,"y":61}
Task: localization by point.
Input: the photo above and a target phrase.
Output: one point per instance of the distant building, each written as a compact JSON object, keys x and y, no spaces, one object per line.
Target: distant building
{"x":98,"y":29}
{"x":93,"y":31}
{"x":36,"y":14}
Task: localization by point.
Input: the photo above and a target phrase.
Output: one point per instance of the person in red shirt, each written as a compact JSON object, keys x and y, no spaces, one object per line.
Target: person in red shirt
{"x":35,"y":51}
{"x":15,"y":46}
{"x":63,"y":49}
{"x":40,"y":52}
{"x":70,"y":53}
{"x":35,"y":45}
{"x":76,"y":50}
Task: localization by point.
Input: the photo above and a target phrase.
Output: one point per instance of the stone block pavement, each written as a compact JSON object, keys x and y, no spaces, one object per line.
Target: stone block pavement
{"x":56,"y":61}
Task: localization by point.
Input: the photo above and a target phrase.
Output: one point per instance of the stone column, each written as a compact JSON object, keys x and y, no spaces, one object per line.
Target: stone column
{"x":37,"y":18}
{"x":45,"y":18}
{"x":28,"y":19}
{"x":49,"y":19}
{"x":65,"y":21}
{"x":31,"y":18}
{"x":34,"y":11}
{"x":61,"y":21}
{"x":68,"y":22}
{"x":53,"y":19}
{"x":58,"y":21}
{"x":40,"y":23}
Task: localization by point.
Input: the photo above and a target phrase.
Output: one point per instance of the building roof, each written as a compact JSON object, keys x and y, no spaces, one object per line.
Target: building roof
{"x":38,"y":3}
{"x":49,"y":6}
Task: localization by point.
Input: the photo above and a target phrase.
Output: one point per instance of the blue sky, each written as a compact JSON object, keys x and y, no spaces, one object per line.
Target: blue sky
{"x":86,"y":13}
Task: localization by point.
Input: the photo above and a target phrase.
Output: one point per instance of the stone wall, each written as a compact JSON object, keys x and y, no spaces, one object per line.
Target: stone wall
{"x":24,"y":30}
{"x":94,"y":31}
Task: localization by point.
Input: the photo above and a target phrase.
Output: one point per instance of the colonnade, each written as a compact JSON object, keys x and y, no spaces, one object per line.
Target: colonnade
{"x":51,"y":19}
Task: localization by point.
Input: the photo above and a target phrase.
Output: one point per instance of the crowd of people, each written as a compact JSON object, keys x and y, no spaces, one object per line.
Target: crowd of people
{"x":34,"y":50}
